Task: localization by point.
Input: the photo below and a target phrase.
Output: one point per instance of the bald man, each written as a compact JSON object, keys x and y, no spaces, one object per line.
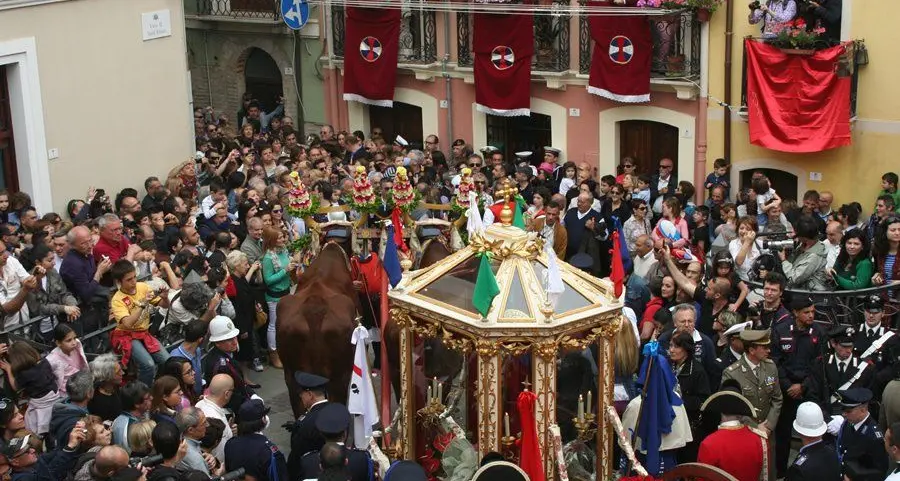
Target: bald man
{"x":825,"y":200}
{"x":109,"y":460}
{"x":221,"y":386}
{"x":585,"y":224}
{"x":82,"y":274}
{"x":834,"y":231}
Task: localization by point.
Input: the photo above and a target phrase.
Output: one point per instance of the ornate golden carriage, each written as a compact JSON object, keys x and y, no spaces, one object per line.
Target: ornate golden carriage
{"x":524,"y":319}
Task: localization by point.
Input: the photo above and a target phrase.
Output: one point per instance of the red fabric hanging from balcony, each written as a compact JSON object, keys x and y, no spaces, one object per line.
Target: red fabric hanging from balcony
{"x":796,"y":103}
{"x":371,"y":47}
{"x":503,"y":45}
{"x":620,"y":65}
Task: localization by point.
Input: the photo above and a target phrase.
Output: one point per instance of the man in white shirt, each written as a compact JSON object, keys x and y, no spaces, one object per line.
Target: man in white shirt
{"x":834,"y":231}
{"x":644,"y":260}
{"x":892,"y":444}
{"x":221,"y":386}
{"x":15,"y":283}
{"x":60,"y":248}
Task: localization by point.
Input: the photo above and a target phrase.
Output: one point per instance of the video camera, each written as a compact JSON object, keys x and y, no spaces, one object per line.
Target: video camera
{"x":146,"y":461}
{"x":776,"y":242}
{"x":230,"y":476}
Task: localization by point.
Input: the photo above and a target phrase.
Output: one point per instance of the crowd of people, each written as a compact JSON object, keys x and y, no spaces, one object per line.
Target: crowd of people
{"x":203,"y":255}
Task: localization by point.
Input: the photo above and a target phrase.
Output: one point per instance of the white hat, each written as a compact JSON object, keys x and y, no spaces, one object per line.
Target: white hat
{"x":401,"y":141}
{"x":222,"y":328}
{"x":523,"y":154}
{"x":488,"y":149}
{"x":809,"y":421}
{"x":738,"y":328}
{"x":552,"y":150}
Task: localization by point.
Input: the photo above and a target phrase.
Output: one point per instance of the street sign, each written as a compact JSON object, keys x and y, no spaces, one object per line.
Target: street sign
{"x":295,"y":13}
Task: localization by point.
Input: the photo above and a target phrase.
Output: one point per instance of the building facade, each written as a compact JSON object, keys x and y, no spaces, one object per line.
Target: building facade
{"x":92,"y":93}
{"x":238,"y":46}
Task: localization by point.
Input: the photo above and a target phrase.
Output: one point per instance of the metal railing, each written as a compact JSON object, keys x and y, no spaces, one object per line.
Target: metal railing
{"x":249,"y":9}
{"x":676,"y":46}
{"x":418,"y":34}
{"x":844,"y":307}
{"x":852,"y":71}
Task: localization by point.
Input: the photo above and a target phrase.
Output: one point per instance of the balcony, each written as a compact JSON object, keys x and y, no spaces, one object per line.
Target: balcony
{"x":418,"y":35}
{"x":264,"y":10}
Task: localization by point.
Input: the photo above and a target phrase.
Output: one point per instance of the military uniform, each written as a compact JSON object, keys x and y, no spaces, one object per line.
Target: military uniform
{"x":760,"y":388}
{"x":860,"y":447}
{"x":219,"y":362}
{"x":304,"y":435}
{"x":254,"y":452}
{"x":333,"y":422}
{"x":833,"y":373}
{"x":741,"y":451}
{"x":815,"y":462}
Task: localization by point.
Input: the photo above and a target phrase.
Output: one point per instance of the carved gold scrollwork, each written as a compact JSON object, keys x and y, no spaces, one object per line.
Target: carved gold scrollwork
{"x":545,"y":350}
{"x":401,"y":317}
{"x":487,"y":347}
{"x":527,"y":249}
{"x":455,"y":342}
{"x":609,"y":329}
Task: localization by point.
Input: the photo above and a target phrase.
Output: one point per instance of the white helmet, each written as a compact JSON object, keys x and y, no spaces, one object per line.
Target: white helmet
{"x":809,"y":421}
{"x":222,"y":328}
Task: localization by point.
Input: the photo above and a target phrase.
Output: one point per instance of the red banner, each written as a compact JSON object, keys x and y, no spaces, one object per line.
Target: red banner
{"x":503,"y":45}
{"x":371,"y":46}
{"x":796,"y":103}
{"x":620,"y":65}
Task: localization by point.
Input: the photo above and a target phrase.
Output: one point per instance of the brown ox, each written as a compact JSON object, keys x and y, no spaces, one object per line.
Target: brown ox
{"x":314,"y":325}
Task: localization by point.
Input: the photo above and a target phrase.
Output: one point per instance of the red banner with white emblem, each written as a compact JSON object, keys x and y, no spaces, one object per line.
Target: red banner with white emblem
{"x":797,"y":103}
{"x":371,"y":46}
{"x":620,"y":65}
{"x":503,"y":45}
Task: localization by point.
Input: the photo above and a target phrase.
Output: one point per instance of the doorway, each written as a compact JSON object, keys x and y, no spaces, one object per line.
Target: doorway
{"x":647,"y":142}
{"x":9,"y":177}
{"x":263,"y":79}
{"x":785,"y":183}
{"x":517,"y":134}
{"x":401,"y":119}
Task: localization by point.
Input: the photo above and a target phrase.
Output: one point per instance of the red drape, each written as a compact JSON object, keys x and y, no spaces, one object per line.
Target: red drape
{"x":617,"y":271}
{"x":530,"y":459}
{"x":796,"y":103}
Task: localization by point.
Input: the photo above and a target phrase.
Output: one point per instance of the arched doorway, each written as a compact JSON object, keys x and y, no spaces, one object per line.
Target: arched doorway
{"x":517,"y":134}
{"x":647,"y":142}
{"x":785,"y":183}
{"x":401,"y":119}
{"x":263,"y":79}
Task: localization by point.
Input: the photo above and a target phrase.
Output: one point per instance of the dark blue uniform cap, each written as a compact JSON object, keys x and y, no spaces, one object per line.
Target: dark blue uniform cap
{"x":405,"y":471}
{"x":252,"y":410}
{"x":334,"y":418}
{"x":800,"y":302}
{"x":310,"y":381}
{"x":850,"y":398}
{"x":582,"y":261}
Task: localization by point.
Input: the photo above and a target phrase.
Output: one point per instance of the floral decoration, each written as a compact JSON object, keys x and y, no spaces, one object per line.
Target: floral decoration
{"x":403,"y":195}
{"x":300,"y":203}
{"x":795,"y":34}
{"x":362,"y":197}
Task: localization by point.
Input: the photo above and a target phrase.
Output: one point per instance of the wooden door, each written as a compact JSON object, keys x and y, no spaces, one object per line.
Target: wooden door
{"x":785,"y":183}
{"x":518,"y":134}
{"x":647,"y":142}
{"x":9,"y":176}
{"x":403,"y":119}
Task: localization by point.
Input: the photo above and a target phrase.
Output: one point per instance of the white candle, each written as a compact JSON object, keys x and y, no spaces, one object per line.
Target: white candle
{"x":580,"y":408}
{"x":440,"y":392}
{"x":506,"y":423}
{"x":589,"y":409}
{"x":430,"y":395}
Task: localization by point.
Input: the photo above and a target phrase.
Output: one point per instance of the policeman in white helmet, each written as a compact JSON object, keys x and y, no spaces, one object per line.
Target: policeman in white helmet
{"x":815,"y":460}
{"x":220,"y":360}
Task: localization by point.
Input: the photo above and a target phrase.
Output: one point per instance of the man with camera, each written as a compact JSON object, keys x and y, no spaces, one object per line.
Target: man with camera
{"x":28,"y":466}
{"x":804,"y":268}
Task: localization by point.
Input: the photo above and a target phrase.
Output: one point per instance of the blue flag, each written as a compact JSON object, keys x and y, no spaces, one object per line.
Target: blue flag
{"x":627,"y":264}
{"x":391,"y":259}
{"x":657,"y":413}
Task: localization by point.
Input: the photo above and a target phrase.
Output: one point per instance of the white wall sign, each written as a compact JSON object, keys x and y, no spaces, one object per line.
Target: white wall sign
{"x":156,"y":24}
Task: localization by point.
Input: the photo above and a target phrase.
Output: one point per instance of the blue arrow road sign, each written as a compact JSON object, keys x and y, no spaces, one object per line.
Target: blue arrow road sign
{"x":295,"y":13}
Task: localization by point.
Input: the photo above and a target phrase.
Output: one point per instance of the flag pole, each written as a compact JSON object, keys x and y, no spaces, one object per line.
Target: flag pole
{"x":385,"y":367}
{"x":637,"y":424}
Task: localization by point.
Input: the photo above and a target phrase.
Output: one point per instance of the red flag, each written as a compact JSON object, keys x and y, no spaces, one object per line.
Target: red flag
{"x":398,"y":230}
{"x":530,"y":459}
{"x":371,"y":46}
{"x":796,"y":103}
{"x":503,"y":45}
{"x":617,"y":272}
{"x":620,"y":65}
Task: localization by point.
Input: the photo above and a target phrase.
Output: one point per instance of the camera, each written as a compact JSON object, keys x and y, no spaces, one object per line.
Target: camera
{"x":146,"y":462}
{"x":230,"y":476}
{"x":778,"y":245}
{"x":755,"y":5}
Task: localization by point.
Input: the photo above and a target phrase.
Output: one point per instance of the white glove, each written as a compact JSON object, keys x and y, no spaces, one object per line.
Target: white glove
{"x":834,"y":426}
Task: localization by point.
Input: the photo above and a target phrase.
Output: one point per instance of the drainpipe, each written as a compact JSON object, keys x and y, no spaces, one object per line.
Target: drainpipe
{"x":702,"y":127}
{"x":298,"y":85}
{"x":729,"y":37}
{"x":447,"y":81}
{"x":208,"y":77}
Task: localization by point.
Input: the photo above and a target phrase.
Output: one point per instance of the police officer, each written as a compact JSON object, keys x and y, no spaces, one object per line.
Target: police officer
{"x":758,"y":377}
{"x":796,"y":347}
{"x":220,"y":360}
{"x":251,"y":449}
{"x":871,"y":329}
{"x":816,"y":460}
{"x":304,"y":435}
{"x":840,"y":370}
{"x":732,"y":345}
{"x":333,"y":422}
{"x":860,"y":443}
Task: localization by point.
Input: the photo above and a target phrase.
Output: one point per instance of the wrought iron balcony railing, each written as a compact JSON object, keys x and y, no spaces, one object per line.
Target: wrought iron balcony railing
{"x":551,"y":41}
{"x":676,"y":46}
{"x":418,"y":34}
{"x":249,"y":9}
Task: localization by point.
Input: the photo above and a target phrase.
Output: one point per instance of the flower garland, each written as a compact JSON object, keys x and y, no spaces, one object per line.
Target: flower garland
{"x":403,"y":195}
{"x":460,"y":203}
{"x":362,"y":198}
{"x":300,"y":203}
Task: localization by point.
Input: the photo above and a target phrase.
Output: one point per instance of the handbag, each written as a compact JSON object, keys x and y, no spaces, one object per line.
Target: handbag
{"x":262,"y":318}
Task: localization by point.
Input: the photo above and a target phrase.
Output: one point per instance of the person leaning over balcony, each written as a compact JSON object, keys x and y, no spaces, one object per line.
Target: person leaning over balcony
{"x":773,"y":14}
{"x":825,"y":14}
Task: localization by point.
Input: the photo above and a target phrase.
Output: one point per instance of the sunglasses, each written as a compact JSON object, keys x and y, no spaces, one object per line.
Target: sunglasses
{"x":474,"y":165}
{"x":665,"y":166}
{"x":276,"y":211}
{"x":629,"y":166}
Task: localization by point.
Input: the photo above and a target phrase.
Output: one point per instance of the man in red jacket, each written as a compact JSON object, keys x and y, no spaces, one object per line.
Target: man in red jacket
{"x":736,"y":448}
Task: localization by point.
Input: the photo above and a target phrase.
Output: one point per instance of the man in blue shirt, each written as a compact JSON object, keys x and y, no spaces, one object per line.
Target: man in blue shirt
{"x":190,"y":349}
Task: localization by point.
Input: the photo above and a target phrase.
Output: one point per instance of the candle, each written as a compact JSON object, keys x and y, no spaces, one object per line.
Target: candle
{"x":434,"y":383}
{"x":580,"y":408}
{"x":430,"y":394}
{"x":440,"y":392}
{"x":506,"y":423}
{"x":589,"y":409}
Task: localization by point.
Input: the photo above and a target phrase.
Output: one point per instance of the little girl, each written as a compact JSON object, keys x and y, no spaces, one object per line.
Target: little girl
{"x":766,"y":198}
{"x":68,"y":356}
{"x":34,"y":378}
{"x":568,"y":180}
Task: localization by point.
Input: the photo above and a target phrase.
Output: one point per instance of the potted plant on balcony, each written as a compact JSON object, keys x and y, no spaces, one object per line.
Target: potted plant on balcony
{"x":704,"y":8}
{"x":794,"y":38}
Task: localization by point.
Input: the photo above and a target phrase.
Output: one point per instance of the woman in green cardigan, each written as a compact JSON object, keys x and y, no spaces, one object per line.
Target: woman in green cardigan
{"x":853,"y":268}
{"x":276,"y":268}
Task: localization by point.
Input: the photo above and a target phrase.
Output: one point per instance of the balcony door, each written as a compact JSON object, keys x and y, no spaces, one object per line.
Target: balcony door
{"x":9,"y":177}
{"x":647,"y":142}
{"x":402,"y":119}
{"x":517,"y":134}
